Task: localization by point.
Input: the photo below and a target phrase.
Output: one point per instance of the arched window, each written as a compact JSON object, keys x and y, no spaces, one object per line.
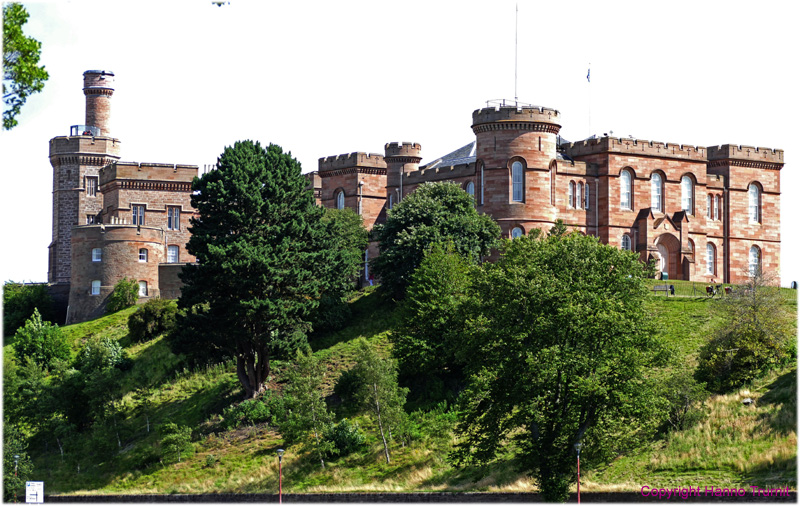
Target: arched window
{"x":626,"y":242}
{"x":754,"y":199}
{"x":716,"y":207}
{"x":340,"y":200}
{"x":516,"y":232}
{"x":172,"y":254}
{"x":687,"y":194}
{"x":625,"y":190}
{"x":571,"y":195}
{"x":709,"y":204}
{"x":691,"y":249}
{"x":97,"y":255}
{"x":711,"y":258}
{"x":516,"y":182}
{"x":656,"y":193}
{"x":586,"y":196}
{"x":143,"y":254}
{"x":142,"y":288}
{"x":578,"y":197}
{"x":755,"y":260}
{"x":471,"y":189}
{"x":96,"y":287}
{"x":482,"y":184}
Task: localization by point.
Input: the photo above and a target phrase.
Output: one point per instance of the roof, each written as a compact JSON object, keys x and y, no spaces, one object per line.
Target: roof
{"x":464,"y":154}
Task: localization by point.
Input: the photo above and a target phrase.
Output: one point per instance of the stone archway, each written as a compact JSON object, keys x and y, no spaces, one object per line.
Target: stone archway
{"x":668,"y":249}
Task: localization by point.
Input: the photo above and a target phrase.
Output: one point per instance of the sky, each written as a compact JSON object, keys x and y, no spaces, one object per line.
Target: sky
{"x":323,"y":78}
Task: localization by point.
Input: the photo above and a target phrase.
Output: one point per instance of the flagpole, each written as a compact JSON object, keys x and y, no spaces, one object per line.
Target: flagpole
{"x":589,"y":81}
{"x":516,"y":32}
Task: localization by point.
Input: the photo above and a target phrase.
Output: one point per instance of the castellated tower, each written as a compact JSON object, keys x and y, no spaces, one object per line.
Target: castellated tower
{"x":515,"y":146}
{"x":400,"y":158}
{"x":76,"y":160}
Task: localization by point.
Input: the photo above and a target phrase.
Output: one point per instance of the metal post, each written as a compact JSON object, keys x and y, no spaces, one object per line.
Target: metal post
{"x":578,"y":449}
{"x":16,"y":464}
{"x":280,"y":476}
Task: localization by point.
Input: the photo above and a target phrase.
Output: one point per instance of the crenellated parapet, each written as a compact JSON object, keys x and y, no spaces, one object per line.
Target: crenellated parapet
{"x":636,"y":147}
{"x":443,"y":173}
{"x":540,"y":119}
{"x":371,"y":163}
{"x":745,"y":156}
{"x":406,"y":152}
{"x":178,"y":175}
{"x":83,"y":150}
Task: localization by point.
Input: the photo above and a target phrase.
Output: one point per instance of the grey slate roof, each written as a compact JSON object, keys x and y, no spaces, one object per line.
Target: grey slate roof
{"x":464,"y":154}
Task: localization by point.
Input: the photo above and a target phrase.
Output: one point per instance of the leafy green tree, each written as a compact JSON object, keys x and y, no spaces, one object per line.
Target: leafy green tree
{"x":307,"y":412}
{"x":153,"y":318}
{"x":435,"y":213}
{"x":125,"y":295}
{"x":557,"y":348}
{"x":22,"y":76}
{"x":378,"y":390}
{"x":756,"y":335}
{"x":41,"y":341}
{"x":19,"y":301}
{"x":685,"y":397}
{"x":175,"y":441}
{"x":261,"y":258}
{"x":14,"y":444}
{"x":431,"y":324}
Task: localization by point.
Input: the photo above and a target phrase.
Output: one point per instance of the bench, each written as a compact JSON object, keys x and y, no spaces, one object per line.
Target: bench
{"x":667,"y":289}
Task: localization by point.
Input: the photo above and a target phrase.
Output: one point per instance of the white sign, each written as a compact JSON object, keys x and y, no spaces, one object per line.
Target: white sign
{"x":34,"y":492}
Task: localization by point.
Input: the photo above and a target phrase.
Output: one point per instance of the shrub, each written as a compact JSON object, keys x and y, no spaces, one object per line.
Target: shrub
{"x":249,"y":412}
{"x":346,"y":437}
{"x":19,"y":302}
{"x":125,"y":294}
{"x":41,"y":341}
{"x":102,"y":353}
{"x":153,"y":318}
{"x":175,"y":441}
{"x":685,"y":397}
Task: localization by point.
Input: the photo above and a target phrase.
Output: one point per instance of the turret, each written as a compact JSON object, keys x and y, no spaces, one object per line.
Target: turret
{"x":98,"y":88}
{"x":401,"y":158}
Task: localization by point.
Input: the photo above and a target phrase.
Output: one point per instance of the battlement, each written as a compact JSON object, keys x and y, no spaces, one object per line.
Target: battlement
{"x":635,"y":147}
{"x":525,"y":114}
{"x":84,"y":145}
{"x":405,"y":149}
{"x":748,"y":153}
{"x":167,"y":172}
{"x":357,"y":159}
{"x":95,"y":80}
{"x":443,"y":173}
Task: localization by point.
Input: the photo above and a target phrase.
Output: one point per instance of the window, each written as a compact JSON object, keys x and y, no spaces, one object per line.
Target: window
{"x":91,"y":186}
{"x":482,"y":184}
{"x":625,"y":190}
{"x":754,"y":198}
{"x":687,"y":194}
{"x":96,"y":287}
{"x":471,"y":189}
{"x":138,"y":214}
{"x":172,"y":254}
{"x":571,"y":194}
{"x":755,"y":260}
{"x":711,"y":258}
{"x":97,"y":255}
{"x":516,"y":182}
{"x":656,"y":193}
{"x":90,"y":219}
{"x":578,"y":199}
{"x":143,"y":254}
{"x":142,"y":288}
{"x":516,"y":232}
{"x":709,"y":201}
{"x":173,"y":218}
{"x":340,"y":200}
{"x":626,"y":242}
{"x":586,"y":196}
{"x":716,"y":207}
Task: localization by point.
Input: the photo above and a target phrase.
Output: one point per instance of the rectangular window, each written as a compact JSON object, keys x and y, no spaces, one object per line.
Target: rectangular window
{"x":90,"y":219}
{"x":173,"y":218}
{"x":709,"y":204}
{"x":143,"y":255}
{"x":142,"y":288}
{"x":97,"y":255}
{"x":91,"y":186}
{"x":138,"y":214}
{"x":96,"y":287}
{"x":172,"y":254}
{"x":586,"y":197}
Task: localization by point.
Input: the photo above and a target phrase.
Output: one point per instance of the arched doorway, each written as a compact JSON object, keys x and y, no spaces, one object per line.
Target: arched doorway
{"x":668,"y":256}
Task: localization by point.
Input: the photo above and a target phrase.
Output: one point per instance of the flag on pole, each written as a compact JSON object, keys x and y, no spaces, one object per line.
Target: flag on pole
{"x":587,"y":75}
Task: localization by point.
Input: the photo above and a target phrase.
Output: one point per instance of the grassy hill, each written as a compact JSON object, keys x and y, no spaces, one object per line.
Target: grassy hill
{"x":735,"y":444}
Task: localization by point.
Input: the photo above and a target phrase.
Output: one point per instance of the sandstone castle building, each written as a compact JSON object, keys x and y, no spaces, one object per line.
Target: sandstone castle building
{"x":702,"y":213}
{"x":113,"y":219}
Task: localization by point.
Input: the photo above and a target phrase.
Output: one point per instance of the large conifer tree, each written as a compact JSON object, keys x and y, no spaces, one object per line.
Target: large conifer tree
{"x":259,"y":247}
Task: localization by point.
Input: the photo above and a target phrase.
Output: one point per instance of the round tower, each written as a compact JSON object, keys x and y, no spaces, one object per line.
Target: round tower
{"x":400,"y":158}
{"x":98,"y":88}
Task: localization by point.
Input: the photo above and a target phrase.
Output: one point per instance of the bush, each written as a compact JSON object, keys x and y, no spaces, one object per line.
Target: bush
{"x":125,"y":295}
{"x":332,"y":314}
{"x":175,"y":441}
{"x":102,"y":353}
{"x":19,"y":302}
{"x":41,"y":341}
{"x":346,"y":437}
{"x":249,"y":412}
{"x":685,"y":397}
{"x":153,"y":318}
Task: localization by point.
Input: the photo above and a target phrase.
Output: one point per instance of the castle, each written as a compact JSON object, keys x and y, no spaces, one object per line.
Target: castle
{"x":710,"y":214}
{"x":113,"y":219}
{"x":702,"y":213}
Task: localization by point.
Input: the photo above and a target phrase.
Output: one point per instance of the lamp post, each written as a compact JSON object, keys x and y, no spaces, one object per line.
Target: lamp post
{"x":280,"y":475}
{"x":16,"y":464}
{"x":578,"y":450}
